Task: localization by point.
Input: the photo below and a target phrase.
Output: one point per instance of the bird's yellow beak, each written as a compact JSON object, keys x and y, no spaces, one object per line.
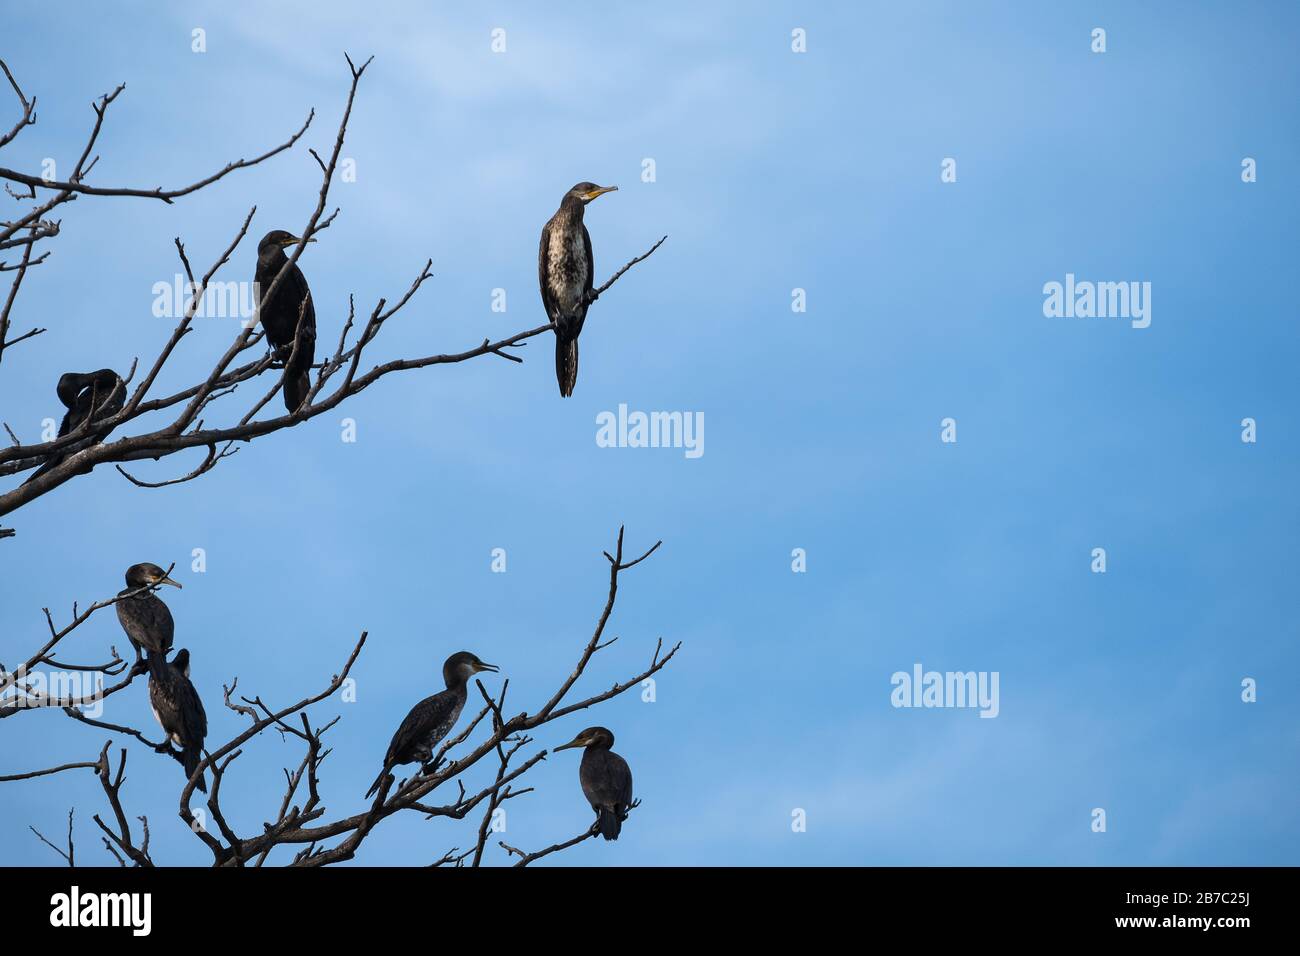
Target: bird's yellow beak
{"x":599,"y":191}
{"x":293,"y":241}
{"x":175,"y":584}
{"x":575,"y":742}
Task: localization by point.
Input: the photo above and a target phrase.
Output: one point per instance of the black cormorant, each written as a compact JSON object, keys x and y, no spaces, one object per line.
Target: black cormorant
{"x":279,"y":316}
{"x":565,"y":273}
{"x":87,"y":396}
{"x":432,"y":718}
{"x":606,"y":779}
{"x":179,"y":711}
{"x":145,"y":617}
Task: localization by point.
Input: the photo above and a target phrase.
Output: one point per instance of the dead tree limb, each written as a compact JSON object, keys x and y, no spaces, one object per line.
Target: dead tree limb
{"x":298,"y":822}
{"x":339,"y":376}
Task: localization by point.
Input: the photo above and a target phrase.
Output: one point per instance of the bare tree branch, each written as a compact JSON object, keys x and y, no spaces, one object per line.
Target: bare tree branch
{"x":526,"y":858}
{"x":20,"y":272}
{"x":70,"y":856}
{"x":31,"y":775}
{"x":121,"y":837}
{"x":81,"y":452}
{"x":596,"y":293}
{"x":29,"y":108}
{"x":295,"y":823}
{"x":168,"y":196}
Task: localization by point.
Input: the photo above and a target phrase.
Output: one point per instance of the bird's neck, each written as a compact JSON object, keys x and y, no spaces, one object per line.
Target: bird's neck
{"x":69,"y":388}
{"x":571,"y":209}
{"x":273,"y":259}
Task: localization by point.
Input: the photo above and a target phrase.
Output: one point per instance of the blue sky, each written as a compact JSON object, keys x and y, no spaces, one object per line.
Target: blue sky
{"x":775,"y":171}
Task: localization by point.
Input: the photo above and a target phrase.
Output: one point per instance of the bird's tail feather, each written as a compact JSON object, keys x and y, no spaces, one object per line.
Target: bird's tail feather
{"x":49,"y":465}
{"x":378,"y":780}
{"x":566,"y":362}
{"x":296,"y":386}
{"x":157,"y":664}
{"x":297,"y":367}
{"x":609,"y":823}
{"x":190,"y":761}
{"x":297,"y":372}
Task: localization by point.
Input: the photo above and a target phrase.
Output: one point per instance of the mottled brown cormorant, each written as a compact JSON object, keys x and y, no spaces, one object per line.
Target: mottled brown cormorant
{"x":179,"y":711}
{"x":87,"y":396}
{"x":145,"y":618}
{"x":565,"y":273}
{"x":432,"y":718}
{"x":279,"y":316}
{"x":606,"y":779}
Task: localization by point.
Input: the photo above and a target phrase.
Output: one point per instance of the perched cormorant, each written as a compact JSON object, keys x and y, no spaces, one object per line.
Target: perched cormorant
{"x":179,"y":711}
{"x":606,"y":779}
{"x":565,"y":273}
{"x":432,"y":718}
{"x":145,"y":617}
{"x":279,"y":316}
{"x":87,"y":396}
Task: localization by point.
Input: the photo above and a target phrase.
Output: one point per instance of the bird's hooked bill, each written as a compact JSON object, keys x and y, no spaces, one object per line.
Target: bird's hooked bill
{"x":600,"y":191}
{"x":175,"y":584}
{"x":487,"y":667}
{"x":575,"y":742}
{"x":295,"y":240}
